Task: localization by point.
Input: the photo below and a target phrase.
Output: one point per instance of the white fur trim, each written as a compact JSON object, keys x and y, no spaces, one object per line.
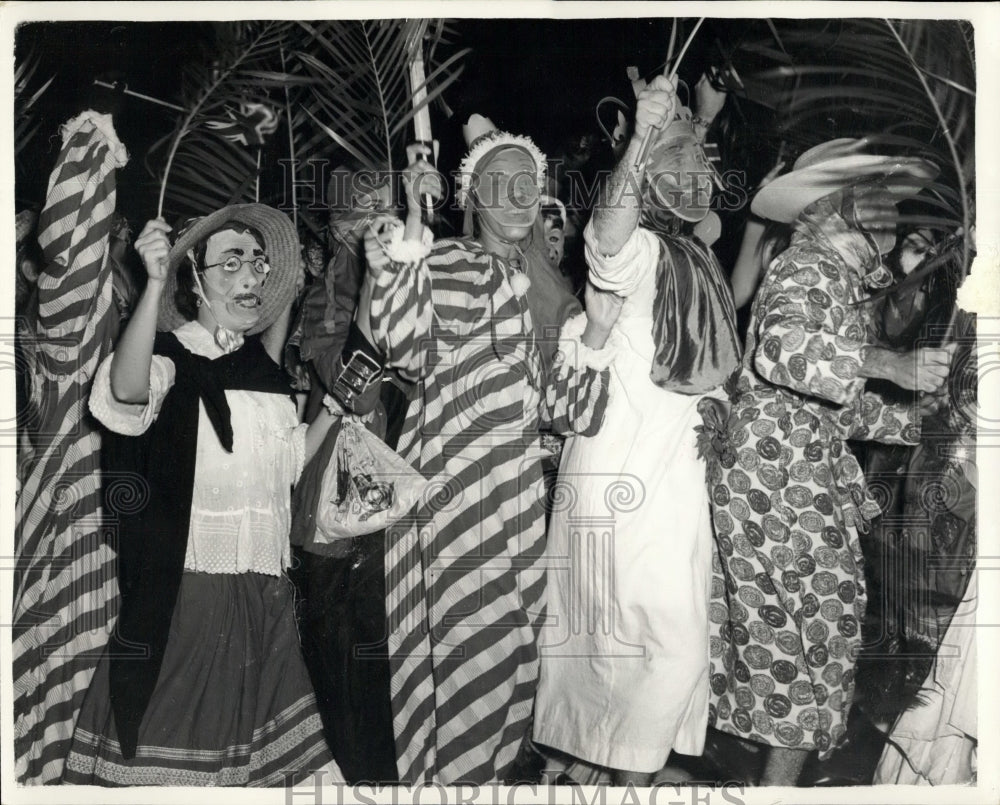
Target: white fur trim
{"x":488,"y":142}
{"x":408,"y":252}
{"x":571,"y":344}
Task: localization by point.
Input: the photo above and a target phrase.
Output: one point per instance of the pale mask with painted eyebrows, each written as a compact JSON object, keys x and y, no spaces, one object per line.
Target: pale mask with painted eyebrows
{"x":506,"y":194}
{"x":235,"y":296}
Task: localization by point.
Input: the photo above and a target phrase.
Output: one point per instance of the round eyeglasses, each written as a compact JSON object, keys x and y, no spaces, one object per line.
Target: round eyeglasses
{"x":233,"y":264}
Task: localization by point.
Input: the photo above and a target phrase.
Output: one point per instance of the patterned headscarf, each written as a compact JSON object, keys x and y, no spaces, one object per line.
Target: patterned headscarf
{"x":834,"y":219}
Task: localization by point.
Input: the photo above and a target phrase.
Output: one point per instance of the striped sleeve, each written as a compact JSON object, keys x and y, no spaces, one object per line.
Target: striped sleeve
{"x":401,"y":316}
{"x":577,"y":386}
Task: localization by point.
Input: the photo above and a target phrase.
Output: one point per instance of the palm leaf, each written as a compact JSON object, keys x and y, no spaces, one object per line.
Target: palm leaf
{"x":27,"y":91}
{"x":910,"y":82}
{"x":215,"y":170}
{"x":362,"y":101}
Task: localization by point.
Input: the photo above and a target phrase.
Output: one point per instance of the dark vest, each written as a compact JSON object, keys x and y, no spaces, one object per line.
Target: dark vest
{"x":152,"y":542}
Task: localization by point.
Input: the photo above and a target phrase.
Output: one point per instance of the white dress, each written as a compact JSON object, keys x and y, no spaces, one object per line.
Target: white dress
{"x":624,"y":652}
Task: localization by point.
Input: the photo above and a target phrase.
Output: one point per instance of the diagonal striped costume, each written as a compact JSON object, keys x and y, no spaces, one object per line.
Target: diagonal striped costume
{"x":463,"y":577}
{"x":65,"y":591}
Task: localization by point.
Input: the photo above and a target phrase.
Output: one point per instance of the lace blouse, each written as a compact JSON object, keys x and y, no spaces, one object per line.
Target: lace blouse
{"x":240,"y":508}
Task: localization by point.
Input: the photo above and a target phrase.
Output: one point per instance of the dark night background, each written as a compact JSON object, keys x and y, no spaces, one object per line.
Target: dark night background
{"x":533,"y":76}
{"x":536,"y":76}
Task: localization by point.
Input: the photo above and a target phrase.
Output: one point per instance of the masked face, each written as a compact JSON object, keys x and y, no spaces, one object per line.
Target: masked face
{"x":555,"y":241}
{"x":369,"y":196}
{"x":915,"y":248}
{"x":677,"y":177}
{"x":876,"y":213}
{"x":232,"y":281}
{"x":506,"y":194}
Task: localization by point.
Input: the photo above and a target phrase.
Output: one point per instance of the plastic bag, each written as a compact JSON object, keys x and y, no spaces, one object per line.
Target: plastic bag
{"x":366,"y":486}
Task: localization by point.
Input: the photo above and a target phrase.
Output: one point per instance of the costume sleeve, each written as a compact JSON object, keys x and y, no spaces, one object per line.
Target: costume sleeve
{"x":809,"y":339}
{"x":126,"y":418}
{"x":873,"y":419}
{"x":577,"y":386}
{"x":402,"y":312}
{"x":621,"y":273}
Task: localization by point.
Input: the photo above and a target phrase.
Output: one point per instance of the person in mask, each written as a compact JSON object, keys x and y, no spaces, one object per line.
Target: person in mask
{"x":203,"y":682}
{"x":463,"y":570}
{"x":341,"y":584}
{"x":624,"y":668}
{"x":788,"y":497}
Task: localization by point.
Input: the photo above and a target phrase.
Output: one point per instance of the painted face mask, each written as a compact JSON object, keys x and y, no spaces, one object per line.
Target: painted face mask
{"x":506,"y":193}
{"x":678,"y":176}
{"x":231,"y":284}
{"x":914,"y":250}
{"x":871,"y":210}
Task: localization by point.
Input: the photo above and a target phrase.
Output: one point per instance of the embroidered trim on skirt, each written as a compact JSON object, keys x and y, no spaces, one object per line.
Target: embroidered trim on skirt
{"x":233,"y":705}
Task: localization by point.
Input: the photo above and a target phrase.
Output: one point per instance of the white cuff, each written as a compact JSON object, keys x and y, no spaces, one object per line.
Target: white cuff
{"x":125,"y":418}
{"x":334,"y":407}
{"x":579,"y":354}
{"x":623,"y":272}
{"x":408,"y":252}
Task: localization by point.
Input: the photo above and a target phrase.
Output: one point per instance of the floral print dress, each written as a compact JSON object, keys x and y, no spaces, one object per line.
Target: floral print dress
{"x":788,"y":497}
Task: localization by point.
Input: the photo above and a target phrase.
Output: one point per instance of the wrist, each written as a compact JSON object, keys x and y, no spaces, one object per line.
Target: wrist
{"x":155,"y":285}
{"x":879,"y":363}
{"x":595,"y":335}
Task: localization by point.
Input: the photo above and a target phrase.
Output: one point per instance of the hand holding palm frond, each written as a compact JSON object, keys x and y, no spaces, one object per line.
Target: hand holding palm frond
{"x":362,"y":101}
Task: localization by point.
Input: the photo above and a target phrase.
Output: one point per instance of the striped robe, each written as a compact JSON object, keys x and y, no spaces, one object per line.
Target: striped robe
{"x":65,"y":589}
{"x":463,"y":575}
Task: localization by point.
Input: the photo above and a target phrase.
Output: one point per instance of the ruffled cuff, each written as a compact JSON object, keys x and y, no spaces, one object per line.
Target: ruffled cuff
{"x":103,"y":124}
{"x":126,"y":418}
{"x":408,"y":252}
{"x":583,"y":357}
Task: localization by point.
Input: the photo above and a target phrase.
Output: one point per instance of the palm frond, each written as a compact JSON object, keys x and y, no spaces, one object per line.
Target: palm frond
{"x":362,"y":100}
{"x":911,"y":83}
{"x":27,"y":91}
{"x":242,"y":73}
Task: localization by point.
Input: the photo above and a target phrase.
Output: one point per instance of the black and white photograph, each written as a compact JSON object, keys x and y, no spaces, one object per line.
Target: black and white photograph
{"x":470,"y":402}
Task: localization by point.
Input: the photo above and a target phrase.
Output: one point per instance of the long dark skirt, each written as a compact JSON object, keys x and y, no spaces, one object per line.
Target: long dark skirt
{"x":233,"y":705}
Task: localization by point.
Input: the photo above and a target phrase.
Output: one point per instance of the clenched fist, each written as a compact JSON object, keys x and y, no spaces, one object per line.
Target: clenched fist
{"x":154,"y":247}
{"x":656,"y":105}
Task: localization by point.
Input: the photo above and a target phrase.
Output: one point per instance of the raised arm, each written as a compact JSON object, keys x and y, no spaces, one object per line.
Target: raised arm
{"x":617,"y":213}
{"x":577,"y":386}
{"x":396,"y":307}
{"x":134,"y":352}
{"x":754,"y":256}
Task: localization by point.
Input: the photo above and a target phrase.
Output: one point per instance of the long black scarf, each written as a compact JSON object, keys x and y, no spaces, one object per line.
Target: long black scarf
{"x":152,"y":542}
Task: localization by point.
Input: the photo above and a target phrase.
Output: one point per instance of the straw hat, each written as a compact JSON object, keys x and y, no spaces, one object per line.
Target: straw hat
{"x":281,"y":244}
{"x":832,"y":166}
